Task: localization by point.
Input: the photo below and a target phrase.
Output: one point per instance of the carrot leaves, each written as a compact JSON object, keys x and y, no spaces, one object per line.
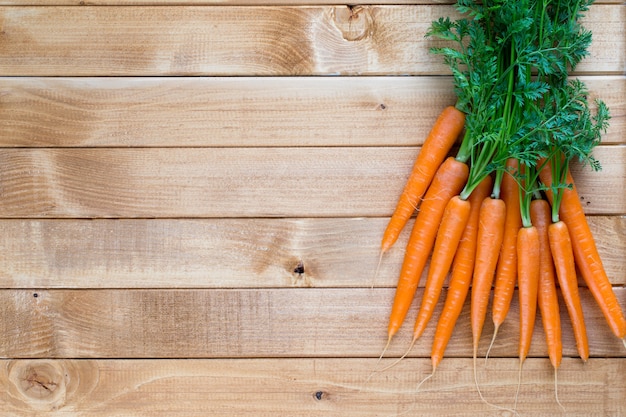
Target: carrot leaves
{"x":510,"y":63}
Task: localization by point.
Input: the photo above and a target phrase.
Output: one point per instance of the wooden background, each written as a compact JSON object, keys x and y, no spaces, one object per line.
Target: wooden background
{"x":166,"y":167}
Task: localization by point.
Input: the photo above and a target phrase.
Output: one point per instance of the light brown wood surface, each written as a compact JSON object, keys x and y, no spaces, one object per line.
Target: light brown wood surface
{"x":192,"y":195}
{"x":242,"y":112}
{"x":222,"y":253}
{"x":229,"y":2}
{"x":305,"y":387}
{"x":187,"y":40}
{"x":237,"y":182}
{"x":244,"y":323}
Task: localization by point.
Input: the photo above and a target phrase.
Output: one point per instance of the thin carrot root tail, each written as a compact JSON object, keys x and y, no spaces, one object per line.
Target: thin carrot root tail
{"x":384,"y":350}
{"x":493,"y":339}
{"x":380,"y":260}
{"x":419,"y":385}
{"x":424,"y":380}
{"x":369,"y":377}
{"x":480,"y":394}
{"x":519,"y":384}
{"x":624,"y":341}
{"x":556,"y":392}
{"x":397,"y":361}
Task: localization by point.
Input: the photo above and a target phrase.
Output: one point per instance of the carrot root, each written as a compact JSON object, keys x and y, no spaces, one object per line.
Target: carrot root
{"x":506,"y":272}
{"x":519,"y":384}
{"x":448,"y":182}
{"x":437,"y":144}
{"x":528,"y":258}
{"x":461,"y":274}
{"x":397,"y":361}
{"x":493,"y":339}
{"x":560,"y":245}
{"x":489,"y":239}
{"x":483,"y":399}
{"x":586,"y":253}
{"x":380,"y":260}
{"x":556,"y":392}
{"x":453,"y":222}
{"x":384,"y":350}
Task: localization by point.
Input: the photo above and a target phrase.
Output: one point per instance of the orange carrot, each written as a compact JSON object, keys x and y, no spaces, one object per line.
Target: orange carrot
{"x":490,"y":234}
{"x":448,"y":182}
{"x":528,"y":272}
{"x":561,"y":248}
{"x":455,"y":217}
{"x":438,"y":143}
{"x":506,"y":272}
{"x":586,"y":254}
{"x":461,"y":275}
{"x":547,"y":297}
{"x":488,"y":241}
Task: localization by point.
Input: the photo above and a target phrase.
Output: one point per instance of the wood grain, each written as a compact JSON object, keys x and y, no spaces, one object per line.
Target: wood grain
{"x":241,"y":111}
{"x":227,"y":2}
{"x":181,"y":237}
{"x":308,"y":40}
{"x":223,"y":253}
{"x":308,"y":387}
{"x":240,"y":323}
{"x":236,"y":182}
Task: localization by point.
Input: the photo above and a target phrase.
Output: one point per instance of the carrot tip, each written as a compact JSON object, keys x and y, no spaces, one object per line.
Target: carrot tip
{"x":379,"y":359}
{"x":493,"y":339}
{"x":424,"y":380}
{"x":556,"y":392}
{"x":384,"y":350}
{"x":400,"y":358}
{"x":519,"y":383}
{"x":380,"y":259}
{"x":482,"y":398}
{"x":624,"y":341}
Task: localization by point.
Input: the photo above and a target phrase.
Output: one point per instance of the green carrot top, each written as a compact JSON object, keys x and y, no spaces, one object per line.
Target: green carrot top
{"x":510,"y":63}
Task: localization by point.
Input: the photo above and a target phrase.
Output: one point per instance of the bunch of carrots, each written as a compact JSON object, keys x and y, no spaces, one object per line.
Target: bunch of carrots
{"x":503,"y":212}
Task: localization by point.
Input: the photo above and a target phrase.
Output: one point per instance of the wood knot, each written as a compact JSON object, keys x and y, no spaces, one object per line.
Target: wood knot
{"x":40,"y":383}
{"x":354,"y":22}
{"x":299,"y":269}
{"x":320,"y":395}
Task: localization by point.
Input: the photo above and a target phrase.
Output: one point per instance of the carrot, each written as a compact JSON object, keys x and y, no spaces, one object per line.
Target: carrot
{"x":489,"y":239}
{"x":506,"y":272}
{"x":436,"y":146}
{"x":586,"y":255}
{"x":528,"y":271}
{"x":547,"y":298}
{"x":455,"y":217}
{"x":461,"y":275}
{"x":447,"y":183}
{"x":561,"y":248}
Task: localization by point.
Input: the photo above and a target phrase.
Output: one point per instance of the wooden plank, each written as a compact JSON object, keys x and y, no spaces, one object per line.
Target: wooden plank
{"x":227,"y":2}
{"x":222,"y":40}
{"x":304,"y":387}
{"x":236,"y":182}
{"x":219,"y":3}
{"x":277,"y":323}
{"x":223,"y":253}
{"x":230,"y":111}
{"x":281,"y":111}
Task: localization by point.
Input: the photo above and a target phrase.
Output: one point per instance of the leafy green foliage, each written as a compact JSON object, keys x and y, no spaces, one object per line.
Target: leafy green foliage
{"x":510,"y":61}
